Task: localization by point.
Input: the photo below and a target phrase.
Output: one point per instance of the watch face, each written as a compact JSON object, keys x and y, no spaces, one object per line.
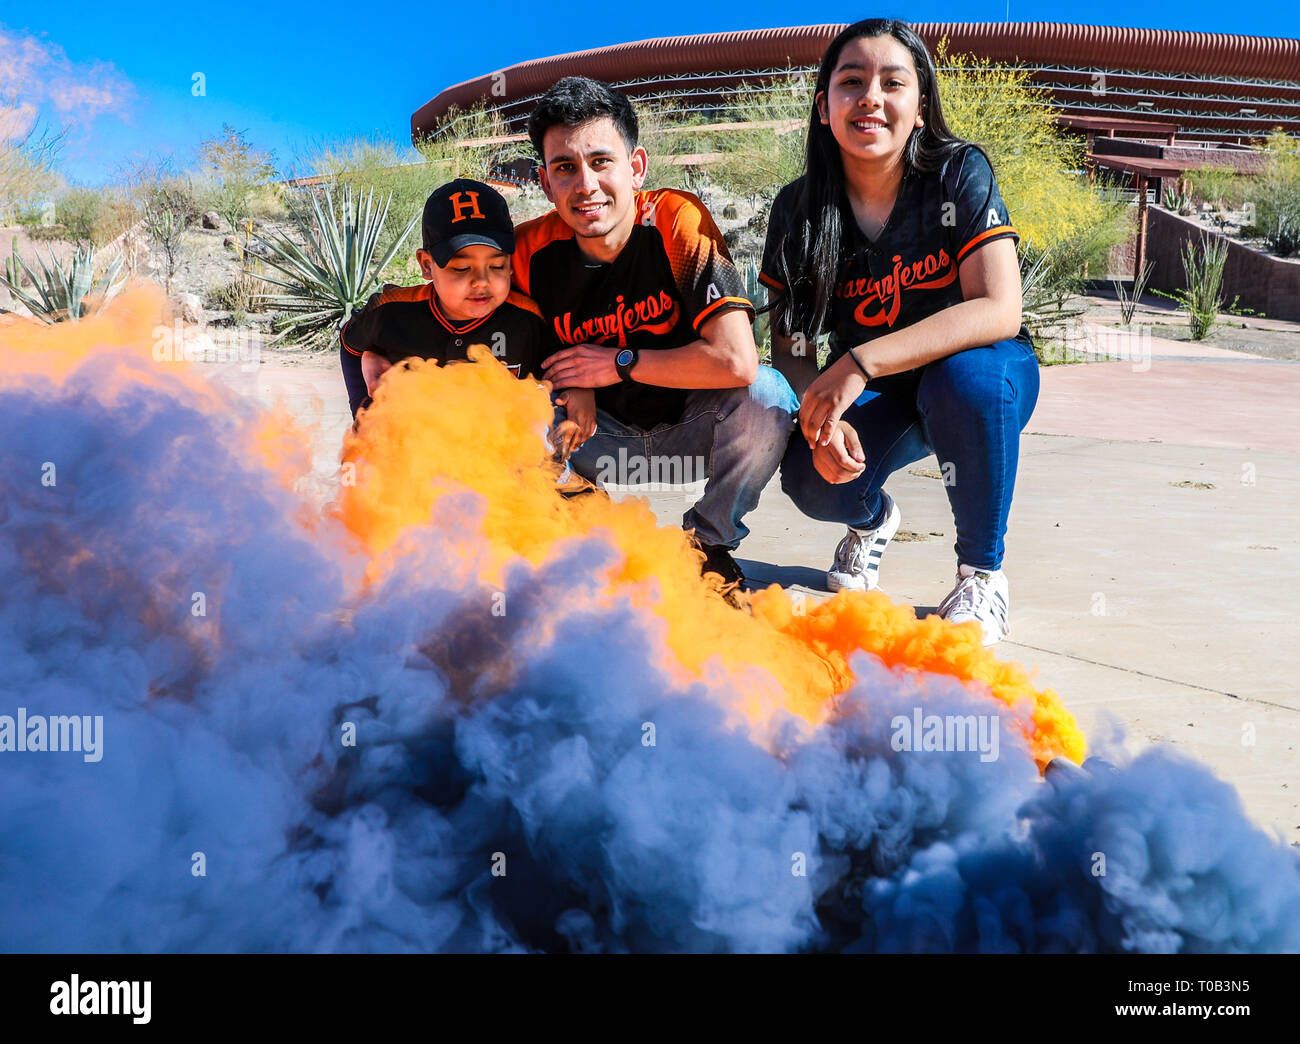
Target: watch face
{"x":624,"y":357}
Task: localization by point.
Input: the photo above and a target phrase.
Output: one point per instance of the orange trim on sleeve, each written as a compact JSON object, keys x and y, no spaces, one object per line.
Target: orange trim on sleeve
{"x":997,"y":230}
{"x":526,"y":303}
{"x":530,"y":237}
{"x":419,"y":292}
{"x":767,"y":280}
{"x":723,"y":302}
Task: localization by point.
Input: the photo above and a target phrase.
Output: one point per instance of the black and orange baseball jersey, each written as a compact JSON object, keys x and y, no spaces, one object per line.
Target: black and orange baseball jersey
{"x":405,"y":322}
{"x":671,"y":277}
{"x":910,"y":271}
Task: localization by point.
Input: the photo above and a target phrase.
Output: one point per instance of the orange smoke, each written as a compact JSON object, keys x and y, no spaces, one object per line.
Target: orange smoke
{"x":437,"y":430}
{"x":138,"y":326}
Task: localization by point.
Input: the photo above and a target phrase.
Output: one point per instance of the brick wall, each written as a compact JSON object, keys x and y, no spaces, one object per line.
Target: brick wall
{"x":1267,"y":284}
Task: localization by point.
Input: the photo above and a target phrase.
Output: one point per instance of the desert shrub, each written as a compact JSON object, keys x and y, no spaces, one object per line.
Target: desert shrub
{"x":242,"y":294}
{"x":1274,"y":200}
{"x":1218,"y":186}
{"x":27,"y":163}
{"x":388,"y":169}
{"x":767,"y":151}
{"x":1202,"y":297}
{"x":470,"y":143}
{"x":78,"y":212}
{"x":1038,"y":167}
{"x":233,"y":175}
{"x":168,"y":206}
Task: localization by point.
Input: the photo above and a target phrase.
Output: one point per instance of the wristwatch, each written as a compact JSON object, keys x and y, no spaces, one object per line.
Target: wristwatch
{"x":624,"y":361}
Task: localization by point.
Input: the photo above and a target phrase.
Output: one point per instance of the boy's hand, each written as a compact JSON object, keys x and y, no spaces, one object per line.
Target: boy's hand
{"x":580,"y":423}
{"x":373,"y":366}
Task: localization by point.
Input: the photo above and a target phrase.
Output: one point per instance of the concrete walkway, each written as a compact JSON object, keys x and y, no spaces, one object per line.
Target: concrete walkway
{"x":1152,"y":550}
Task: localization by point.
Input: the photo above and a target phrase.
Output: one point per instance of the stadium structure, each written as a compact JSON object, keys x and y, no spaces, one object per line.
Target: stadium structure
{"x":1203,"y":89}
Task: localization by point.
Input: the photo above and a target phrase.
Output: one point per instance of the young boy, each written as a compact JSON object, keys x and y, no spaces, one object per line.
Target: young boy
{"x":468,"y":238}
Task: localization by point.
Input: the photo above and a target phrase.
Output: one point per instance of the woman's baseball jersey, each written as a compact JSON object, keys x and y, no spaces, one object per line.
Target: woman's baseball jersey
{"x":672,"y":276}
{"x":405,"y":322}
{"x":910,"y":271}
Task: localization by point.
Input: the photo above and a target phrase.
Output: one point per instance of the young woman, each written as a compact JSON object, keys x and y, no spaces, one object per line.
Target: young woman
{"x":897,"y":244}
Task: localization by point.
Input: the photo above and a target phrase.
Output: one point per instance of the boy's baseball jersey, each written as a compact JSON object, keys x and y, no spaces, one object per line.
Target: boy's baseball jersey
{"x":404,"y":322}
{"x":672,"y":276}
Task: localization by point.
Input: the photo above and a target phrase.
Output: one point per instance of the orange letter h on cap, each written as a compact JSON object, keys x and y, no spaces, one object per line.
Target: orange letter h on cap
{"x":460,"y":205}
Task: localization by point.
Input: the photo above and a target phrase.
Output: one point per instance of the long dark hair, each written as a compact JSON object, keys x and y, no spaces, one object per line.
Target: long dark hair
{"x":819,"y":208}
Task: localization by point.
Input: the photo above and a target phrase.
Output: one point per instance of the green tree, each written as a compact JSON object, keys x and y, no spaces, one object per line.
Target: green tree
{"x":235,"y":170}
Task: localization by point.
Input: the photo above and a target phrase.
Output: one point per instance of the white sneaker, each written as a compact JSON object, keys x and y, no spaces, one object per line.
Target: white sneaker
{"x":979,"y":595}
{"x":857,"y":558}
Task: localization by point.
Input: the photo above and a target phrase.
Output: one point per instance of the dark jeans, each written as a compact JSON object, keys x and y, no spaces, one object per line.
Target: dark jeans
{"x":968,"y":409}
{"x":733,"y":437}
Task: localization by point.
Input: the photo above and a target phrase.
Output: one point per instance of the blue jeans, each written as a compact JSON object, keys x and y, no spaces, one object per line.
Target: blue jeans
{"x":738,"y":435}
{"x":968,"y":409}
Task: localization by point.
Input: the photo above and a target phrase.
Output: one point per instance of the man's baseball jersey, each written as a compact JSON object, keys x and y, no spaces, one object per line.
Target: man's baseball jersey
{"x":672,"y":276}
{"x":910,"y":271}
{"x":405,"y":322}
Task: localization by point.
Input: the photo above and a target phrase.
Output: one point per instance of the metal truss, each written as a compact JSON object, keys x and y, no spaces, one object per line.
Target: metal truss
{"x":1117,"y":100}
{"x":1225,"y":81}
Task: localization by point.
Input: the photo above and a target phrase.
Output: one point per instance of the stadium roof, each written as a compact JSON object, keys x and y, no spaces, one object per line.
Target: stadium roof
{"x":1215,"y":86}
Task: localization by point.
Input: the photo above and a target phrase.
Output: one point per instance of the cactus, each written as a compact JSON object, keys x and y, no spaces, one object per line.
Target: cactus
{"x":13,"y":269}
{"x":64,"y":293}
{"x":757,"y":293}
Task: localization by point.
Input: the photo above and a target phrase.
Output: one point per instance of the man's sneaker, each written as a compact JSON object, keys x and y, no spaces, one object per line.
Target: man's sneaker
{"x":979,"y":595}
{"x":717,"y":559}
{"x":857,"y":558}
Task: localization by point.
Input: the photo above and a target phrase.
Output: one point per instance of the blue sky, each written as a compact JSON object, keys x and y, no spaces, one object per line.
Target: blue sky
{"x":295,"y":75}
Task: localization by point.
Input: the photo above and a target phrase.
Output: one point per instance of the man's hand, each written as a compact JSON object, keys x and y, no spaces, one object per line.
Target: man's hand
{"x":841,"y":459}
{"x":582,"y":366}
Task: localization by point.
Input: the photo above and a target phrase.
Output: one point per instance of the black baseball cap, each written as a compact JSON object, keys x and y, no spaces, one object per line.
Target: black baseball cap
{"x":462,"y":213}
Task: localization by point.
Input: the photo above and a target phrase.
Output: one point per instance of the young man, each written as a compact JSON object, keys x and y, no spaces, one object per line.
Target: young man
{"x":467,"y":237}
{"x":639,"y":287}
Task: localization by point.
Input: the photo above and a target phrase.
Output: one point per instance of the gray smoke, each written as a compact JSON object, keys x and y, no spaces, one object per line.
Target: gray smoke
{"x":502,"y":793}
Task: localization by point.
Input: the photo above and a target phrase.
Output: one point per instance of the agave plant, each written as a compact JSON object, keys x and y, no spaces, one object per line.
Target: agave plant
{"x":334,"y":271}
{"x":757,"y":293}
{"x":60,"y":293}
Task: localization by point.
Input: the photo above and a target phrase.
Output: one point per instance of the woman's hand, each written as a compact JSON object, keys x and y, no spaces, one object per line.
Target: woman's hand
{"x":842,"y":458}
{"x":826,"y":400}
